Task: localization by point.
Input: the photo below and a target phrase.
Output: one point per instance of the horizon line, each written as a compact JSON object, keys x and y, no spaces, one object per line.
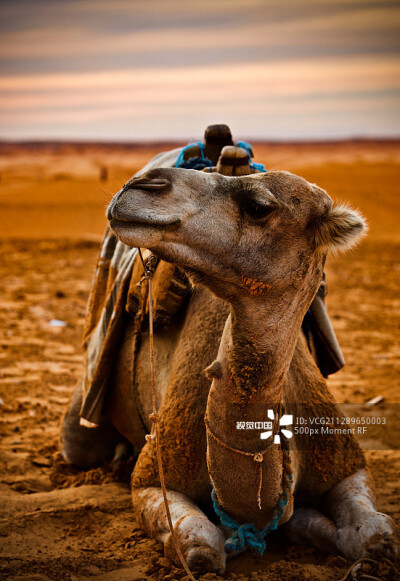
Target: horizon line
{"x":178,"y":142}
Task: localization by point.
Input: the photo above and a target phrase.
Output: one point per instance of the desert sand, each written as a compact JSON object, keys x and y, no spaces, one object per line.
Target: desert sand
{"x":60,"y":524}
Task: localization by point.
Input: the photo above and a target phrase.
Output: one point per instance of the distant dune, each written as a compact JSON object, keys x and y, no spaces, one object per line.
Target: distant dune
{"x":61,"y":189}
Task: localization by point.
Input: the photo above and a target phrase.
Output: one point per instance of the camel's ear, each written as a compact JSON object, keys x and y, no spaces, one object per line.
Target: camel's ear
{"x":340,"y":229}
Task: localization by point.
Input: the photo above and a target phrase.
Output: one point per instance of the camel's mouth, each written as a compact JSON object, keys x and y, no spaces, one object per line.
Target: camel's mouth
{"x":163,"y":223}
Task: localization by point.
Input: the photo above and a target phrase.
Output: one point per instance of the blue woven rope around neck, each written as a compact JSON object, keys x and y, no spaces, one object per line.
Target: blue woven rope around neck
{"x":247,"y":535}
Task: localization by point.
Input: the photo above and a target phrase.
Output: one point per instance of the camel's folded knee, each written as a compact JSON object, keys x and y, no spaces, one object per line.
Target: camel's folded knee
{"x":201,"y":542}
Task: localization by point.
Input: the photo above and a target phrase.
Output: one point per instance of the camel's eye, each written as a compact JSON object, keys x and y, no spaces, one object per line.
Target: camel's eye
{"x":257,"y":210}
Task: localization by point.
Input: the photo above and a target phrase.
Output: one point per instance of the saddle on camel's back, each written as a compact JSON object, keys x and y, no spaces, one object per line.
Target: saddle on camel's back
{"x":116,"y":289}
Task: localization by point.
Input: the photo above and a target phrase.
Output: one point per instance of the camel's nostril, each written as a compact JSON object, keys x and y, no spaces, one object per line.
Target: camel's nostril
{"x":149,"y":184}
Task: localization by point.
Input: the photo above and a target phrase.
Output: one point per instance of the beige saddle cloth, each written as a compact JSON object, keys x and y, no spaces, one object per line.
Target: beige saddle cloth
{"x":115,"y":294}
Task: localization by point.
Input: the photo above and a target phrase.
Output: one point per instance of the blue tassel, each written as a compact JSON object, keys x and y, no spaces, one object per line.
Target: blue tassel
{"x":258,"y":166}
{"x":252,"y":164}
{"x":198,"y":163}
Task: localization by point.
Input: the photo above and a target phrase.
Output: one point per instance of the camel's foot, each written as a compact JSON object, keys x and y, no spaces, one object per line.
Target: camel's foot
{"x":361,"y":530}
{"x":200,"y":541}
{"x":373,"y":536}
{"x":86,"y":447}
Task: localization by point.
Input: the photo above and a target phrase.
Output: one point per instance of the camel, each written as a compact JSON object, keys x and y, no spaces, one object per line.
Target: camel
{"x":254,"y":248}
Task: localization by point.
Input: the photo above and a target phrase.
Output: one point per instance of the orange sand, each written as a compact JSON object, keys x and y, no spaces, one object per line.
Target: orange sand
{"x":59,"y":524}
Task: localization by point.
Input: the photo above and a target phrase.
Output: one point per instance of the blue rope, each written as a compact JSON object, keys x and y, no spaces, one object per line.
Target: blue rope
{"x":252,"y":164}
{"x":246,"y":146}
{"x":258,"y":166}
{"x":247,"y":535}
{"x":198,"y":163}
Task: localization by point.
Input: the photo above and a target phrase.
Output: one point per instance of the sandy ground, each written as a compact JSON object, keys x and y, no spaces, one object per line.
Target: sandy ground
{"x":57,"y":523}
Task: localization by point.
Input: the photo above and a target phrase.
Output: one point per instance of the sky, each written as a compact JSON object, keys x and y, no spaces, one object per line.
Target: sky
{"x":128,"y":70}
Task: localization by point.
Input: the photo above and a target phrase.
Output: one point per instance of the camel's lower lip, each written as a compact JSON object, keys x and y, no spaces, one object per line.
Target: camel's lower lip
{"x":115,"y":223}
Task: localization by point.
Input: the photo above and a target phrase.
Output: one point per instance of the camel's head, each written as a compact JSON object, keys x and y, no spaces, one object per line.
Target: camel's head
{"x":256,"y":234}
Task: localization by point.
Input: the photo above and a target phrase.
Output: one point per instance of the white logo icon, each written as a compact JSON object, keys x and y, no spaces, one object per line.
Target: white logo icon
{"x":285,"y":420}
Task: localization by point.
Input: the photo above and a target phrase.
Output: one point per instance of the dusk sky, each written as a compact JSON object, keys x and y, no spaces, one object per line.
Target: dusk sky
{"x":164,"y":69}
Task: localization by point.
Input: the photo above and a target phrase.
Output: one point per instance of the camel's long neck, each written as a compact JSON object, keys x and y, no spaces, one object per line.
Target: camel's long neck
{"x":248,"y":379}
{"x":254,"y":355}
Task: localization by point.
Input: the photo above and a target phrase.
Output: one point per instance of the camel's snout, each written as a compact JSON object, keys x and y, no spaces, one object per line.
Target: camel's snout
{"x":141,"y":184}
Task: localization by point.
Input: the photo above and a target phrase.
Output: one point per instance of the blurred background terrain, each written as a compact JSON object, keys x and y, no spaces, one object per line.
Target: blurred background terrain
{"x":58,"y":523}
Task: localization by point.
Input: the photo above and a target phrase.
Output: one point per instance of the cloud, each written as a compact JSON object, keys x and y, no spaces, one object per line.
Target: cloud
{"x":255,"y":91}
{"x":290,"y":77}
{"x":91,"y":66}
{"x":349,"y":27}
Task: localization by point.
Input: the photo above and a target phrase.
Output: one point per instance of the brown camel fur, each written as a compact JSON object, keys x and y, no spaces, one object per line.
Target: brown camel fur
{"x":255,"y":248}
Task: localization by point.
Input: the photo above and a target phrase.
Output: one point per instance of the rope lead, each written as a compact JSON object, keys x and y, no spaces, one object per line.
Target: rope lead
{"x":149,"y":268}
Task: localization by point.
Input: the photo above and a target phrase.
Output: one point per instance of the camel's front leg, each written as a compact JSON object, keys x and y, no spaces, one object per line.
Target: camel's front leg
{"x":308,"y":526}
{"x":355,"y":528}
{"x":201,"y":542}
{"x":362,"y":531}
